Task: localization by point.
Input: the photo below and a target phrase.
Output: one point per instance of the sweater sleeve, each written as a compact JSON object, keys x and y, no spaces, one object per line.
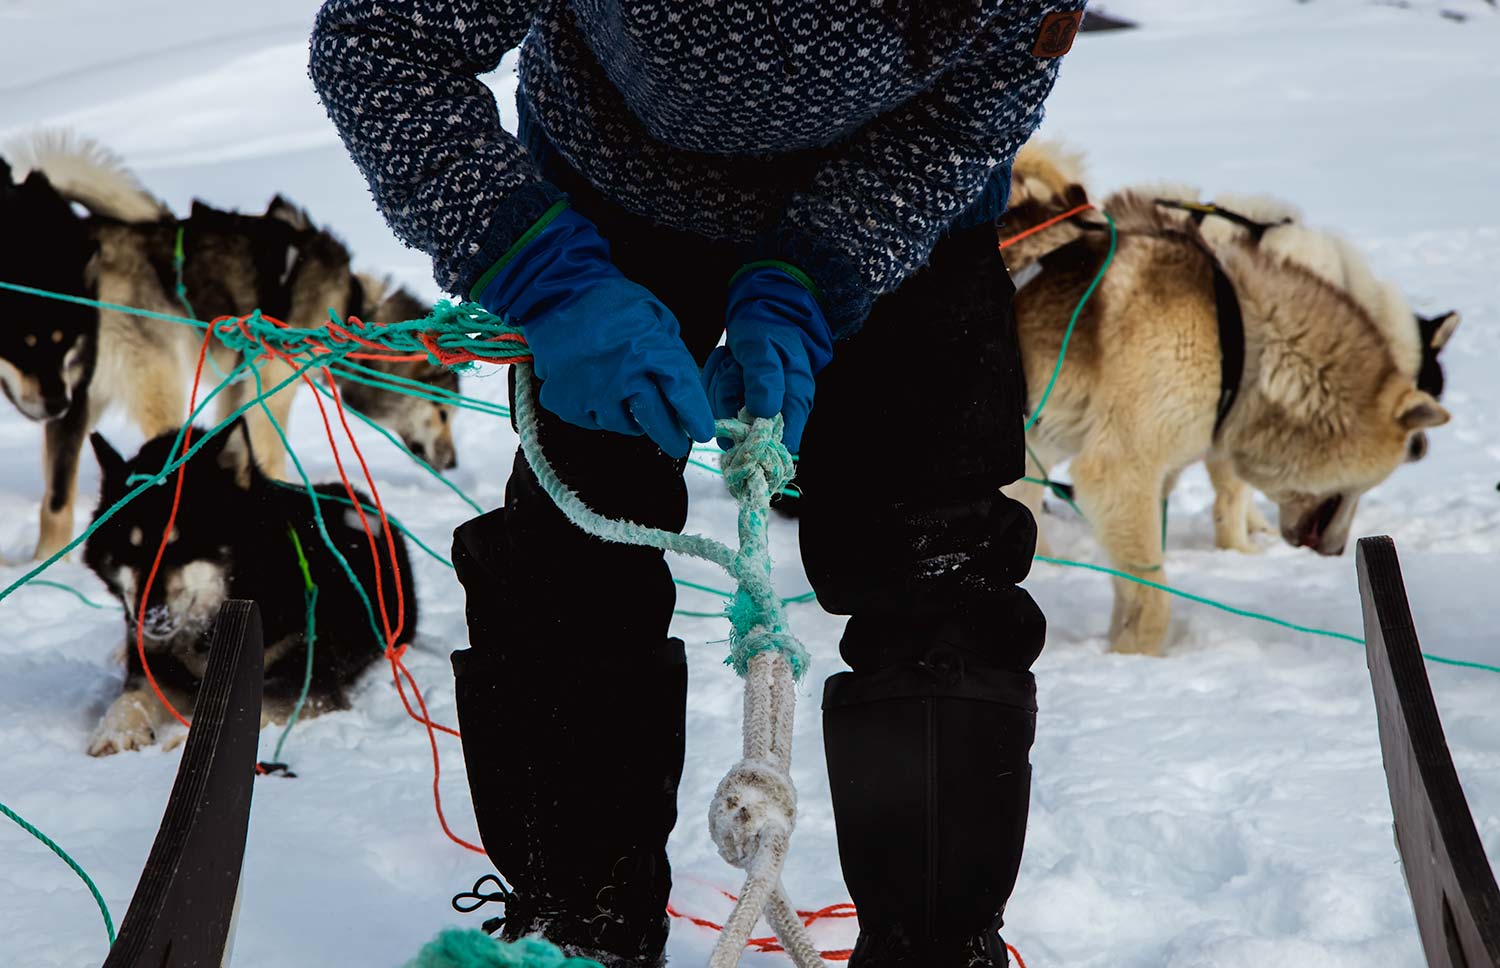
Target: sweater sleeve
{"x":400,"y":80}
{"x":871,"y":216}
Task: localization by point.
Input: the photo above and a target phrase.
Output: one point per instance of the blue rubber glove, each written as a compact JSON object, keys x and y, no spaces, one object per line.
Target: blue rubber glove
{"x":776,"y":341}
{"x":606,"y":350}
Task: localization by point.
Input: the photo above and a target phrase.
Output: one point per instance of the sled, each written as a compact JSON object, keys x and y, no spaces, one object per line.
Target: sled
{"x":1450,"y":881}
{"x":1100,"y":21}
{"x":184,"y":907}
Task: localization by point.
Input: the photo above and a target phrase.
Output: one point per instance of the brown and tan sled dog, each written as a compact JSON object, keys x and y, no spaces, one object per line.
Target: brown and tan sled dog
{"x":1320,"y":411}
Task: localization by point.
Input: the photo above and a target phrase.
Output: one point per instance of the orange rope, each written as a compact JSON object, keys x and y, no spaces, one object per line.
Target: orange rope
{"x":394,"y":653}
{"x":1007,"y":243}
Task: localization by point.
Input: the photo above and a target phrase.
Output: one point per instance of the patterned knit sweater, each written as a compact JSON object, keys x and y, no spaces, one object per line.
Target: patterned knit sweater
{"x":844,"y":136}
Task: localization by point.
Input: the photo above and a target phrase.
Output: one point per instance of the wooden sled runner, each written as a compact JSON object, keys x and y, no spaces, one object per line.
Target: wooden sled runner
{"x":1447,"y":874}
{"x":183,"y":910}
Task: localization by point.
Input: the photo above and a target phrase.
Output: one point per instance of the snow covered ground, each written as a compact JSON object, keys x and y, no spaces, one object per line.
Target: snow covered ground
{"x":1223,"y":806}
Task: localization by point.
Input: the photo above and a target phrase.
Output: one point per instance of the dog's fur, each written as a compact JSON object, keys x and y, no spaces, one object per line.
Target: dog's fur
{"x":424,"y":426}
{"x":1325,"y":410}
{"x":66,"y":365}
{"x":232,"y":539}
{"x":1415,"y":341}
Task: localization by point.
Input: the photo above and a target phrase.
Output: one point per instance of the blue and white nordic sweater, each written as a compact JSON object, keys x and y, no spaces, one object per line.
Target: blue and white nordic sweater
{"x":844,"y":136}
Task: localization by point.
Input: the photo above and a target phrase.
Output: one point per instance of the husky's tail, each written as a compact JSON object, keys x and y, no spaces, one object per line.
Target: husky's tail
{"x":86,"y":172}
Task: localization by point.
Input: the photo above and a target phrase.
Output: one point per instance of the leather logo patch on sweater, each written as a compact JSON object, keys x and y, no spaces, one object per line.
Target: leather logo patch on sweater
{"x":1056,"y":36}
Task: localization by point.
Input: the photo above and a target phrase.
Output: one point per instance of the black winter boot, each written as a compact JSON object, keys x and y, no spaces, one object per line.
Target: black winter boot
{"x":928,"y":764}
{"x":574,"y":752}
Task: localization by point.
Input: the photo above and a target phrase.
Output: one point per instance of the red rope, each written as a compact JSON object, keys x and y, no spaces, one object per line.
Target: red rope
{"x":1087,"y":206}
{"x":772,"y":946}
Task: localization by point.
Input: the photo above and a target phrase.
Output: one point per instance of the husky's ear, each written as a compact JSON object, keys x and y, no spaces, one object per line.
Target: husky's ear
{"x":111,"y":464}
{"x":286,"y":211}
{"x":1437,"y":330}
{"x":1419,"y":410}
{"x":37,"y":181}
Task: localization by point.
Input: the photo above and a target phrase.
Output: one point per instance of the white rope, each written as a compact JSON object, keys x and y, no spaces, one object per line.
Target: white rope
{"x":753,"y":813}
{"x":755,"y":808}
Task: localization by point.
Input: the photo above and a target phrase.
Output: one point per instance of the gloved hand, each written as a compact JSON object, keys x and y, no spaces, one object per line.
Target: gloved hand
{"x":606,"y":350}
{"x":776,"y":341}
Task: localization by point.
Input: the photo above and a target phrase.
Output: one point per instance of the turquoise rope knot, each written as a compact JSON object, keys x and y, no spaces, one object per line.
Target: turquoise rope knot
{"x":756,"y":462}
{"x":756,"y":446}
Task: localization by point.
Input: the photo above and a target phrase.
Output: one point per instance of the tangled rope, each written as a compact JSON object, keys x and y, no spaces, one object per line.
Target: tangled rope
{"x":755,"y":808}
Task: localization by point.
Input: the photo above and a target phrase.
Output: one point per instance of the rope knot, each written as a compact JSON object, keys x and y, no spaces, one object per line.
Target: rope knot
{"x":756,"y":446}
{"x":759,"y":640}
{"x":755,"y":798}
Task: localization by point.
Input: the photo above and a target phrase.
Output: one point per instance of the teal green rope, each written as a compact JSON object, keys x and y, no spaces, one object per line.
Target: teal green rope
{"x":391,"y":383}
{"x":1057,"y":492}
{"x":310,"y":638}
{"x":1246,"y":613}
{"x":1062,"y":351}
{"x":50,"y":844}
{"x":44,"y":583}
{"x":96,"y":304}
{"x":756,"y":465}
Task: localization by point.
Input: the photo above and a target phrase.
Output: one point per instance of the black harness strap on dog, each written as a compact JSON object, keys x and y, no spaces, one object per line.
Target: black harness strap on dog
{"x":1077,"y":254}
{"x":1231,"y":339}
{"x":1201,"y":210}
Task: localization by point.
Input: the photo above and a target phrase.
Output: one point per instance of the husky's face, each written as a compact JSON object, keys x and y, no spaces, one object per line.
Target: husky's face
{"x":196,"y":572}
{"x":46,"y":347}
{"x":1317,"y":488}
{"x":426,"y":428}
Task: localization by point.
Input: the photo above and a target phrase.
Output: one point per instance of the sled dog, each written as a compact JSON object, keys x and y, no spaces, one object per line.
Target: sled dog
{"x":1416,"y":341}
{"x":237,"y":534}
{"x":1321,"y":408}
{"x":67,"y":364}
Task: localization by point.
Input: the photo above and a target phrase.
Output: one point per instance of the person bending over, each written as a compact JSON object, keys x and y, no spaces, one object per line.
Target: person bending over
{"x":817,"y":182}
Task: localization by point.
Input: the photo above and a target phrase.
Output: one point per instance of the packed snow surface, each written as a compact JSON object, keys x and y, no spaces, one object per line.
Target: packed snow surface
{"x":1223,"y":806}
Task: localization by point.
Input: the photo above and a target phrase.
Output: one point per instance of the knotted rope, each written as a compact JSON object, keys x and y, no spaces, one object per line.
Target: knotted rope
{"x":755,"y":808}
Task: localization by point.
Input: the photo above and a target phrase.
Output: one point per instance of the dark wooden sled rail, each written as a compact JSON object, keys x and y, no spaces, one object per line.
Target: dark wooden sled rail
{"x":183,"y":910}
{"x":1451,"y":884}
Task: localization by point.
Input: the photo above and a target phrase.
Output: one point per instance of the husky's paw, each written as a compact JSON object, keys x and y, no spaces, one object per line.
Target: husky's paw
{"x":109,"y":740}
{"x":126,"y":726}
{"x":1256,"y":523}
{"x":1242,"y":543}
{"x":1129,"y":644}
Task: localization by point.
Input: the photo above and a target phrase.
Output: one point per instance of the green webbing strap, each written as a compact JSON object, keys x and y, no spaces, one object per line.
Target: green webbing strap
{"x":803,"y":278}
{"x":310,"y":637}
{"x":510,"y":253}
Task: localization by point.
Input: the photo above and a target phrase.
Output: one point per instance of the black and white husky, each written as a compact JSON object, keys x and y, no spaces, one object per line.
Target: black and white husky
{"x":236,"y":535}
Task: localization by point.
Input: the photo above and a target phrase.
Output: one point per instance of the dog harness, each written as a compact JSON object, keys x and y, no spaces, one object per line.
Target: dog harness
{"x":1079,"y":254}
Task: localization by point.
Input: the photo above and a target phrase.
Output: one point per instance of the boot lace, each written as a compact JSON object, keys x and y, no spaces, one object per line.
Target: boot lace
{"x":487,"y":889}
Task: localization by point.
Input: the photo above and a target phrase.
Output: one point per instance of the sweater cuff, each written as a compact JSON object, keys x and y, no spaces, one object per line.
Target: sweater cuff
{"x":845,"y":298}
{"x":513,"y":219}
